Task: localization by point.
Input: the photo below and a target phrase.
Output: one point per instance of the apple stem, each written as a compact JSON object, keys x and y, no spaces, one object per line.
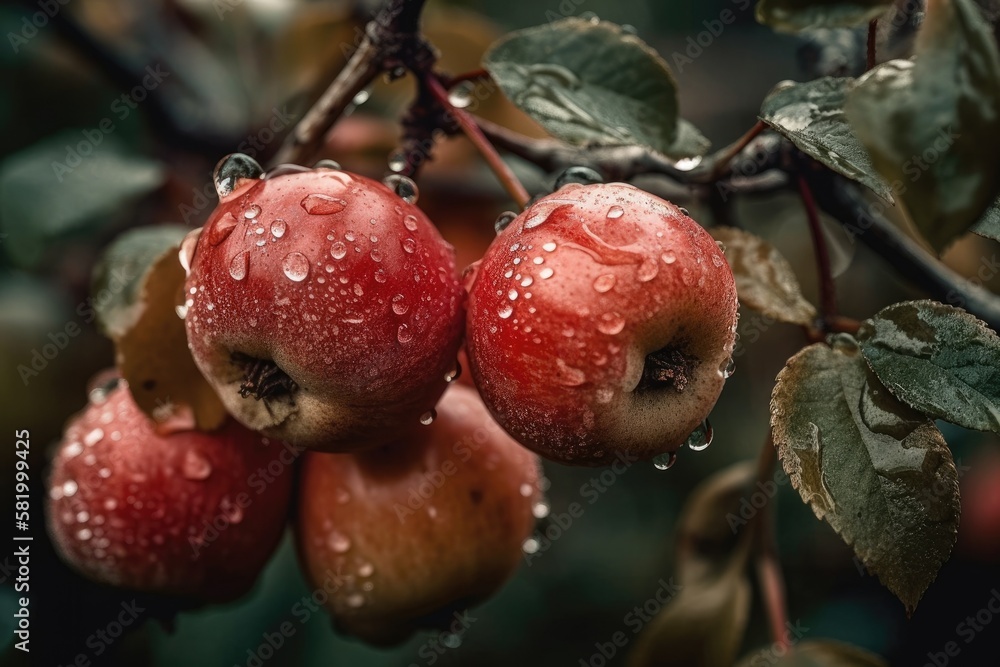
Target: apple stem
{"x":872,"y":36}
{"x":489,"y":153}
{"x":827,"y":290}
{"x":772,"y":583}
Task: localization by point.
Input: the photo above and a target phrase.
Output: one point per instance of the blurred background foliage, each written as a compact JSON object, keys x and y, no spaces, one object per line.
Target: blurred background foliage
{"x":234,"y":75}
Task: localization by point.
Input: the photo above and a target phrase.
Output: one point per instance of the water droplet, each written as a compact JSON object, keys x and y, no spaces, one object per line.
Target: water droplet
{"x":328,"y":164}
{"x":604,"y":283}
{"x":252,"y":212}
{"x":338,"y":250}
{"x":84,"y":534}
{"x":397,"y":161}
{"x":512,"y":295}
{"x":530,"y":546}
{"x":549,"y":247}
{"x":110,"y":504}
{"x":366,"y":570}
{"x":461,"y":95}
{"x":505,"y":310}
{"x":545,"y":273}
{"x":604,"y":395}
{"x":404,"y":187}
{"x":616,"y":212}
{"x":569,"y":376}
{"x":454,"y":373}
{"x":540,"y":510}
{"x":361,"y":98}
{"x":409,"y":245}
{"x":355,"y":600}
{"x":320,"y":204}
{"x":503,"y":221}
{"x":403,"y":334}
{"x":701,"y":438}
{"x":196,"y":466}
{"x":647,"y":270}
{"x":296,"y":266}
{"x":611,"y":323}
{"x":669,"y":257}
{"x":526,"y":490}
{"x":399,"y":305}
{"x":410,"y":222}
{"x":665,"y":461}
{"x":69,"y":488}
{"x":278,"y":228}
{"x":222,"y":228}
{"x":428,"y":417}
{"x":376,"y":255}
{"x":727,"y":368}
{"x":72,"y":449}
{"x":239,"y":266}
{"x":578,"y":175}
{"x":93,"y":437}
{"x":687,"y":163}
{"x":231,"y":170}
{"x":82,"y":516}
{"x":338,"y":543}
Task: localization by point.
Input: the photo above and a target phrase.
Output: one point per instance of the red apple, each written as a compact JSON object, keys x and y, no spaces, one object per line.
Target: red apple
{"x":419,"y":528}
{"x":601,"y":321}
{"x":188,"y":514}
{"x":323,"y":308}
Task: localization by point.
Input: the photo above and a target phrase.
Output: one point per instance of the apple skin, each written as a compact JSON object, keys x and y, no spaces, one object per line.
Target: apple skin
{"x":131,"y":507}
{"x":419,"y":528}
{"x":567,"y":304}
{"x":358,"y":302}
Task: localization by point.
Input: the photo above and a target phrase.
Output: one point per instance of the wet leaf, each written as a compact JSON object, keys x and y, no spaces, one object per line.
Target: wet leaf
{"x":764,"y":279}
{"x":989,"y":224}
{"x":799,"y":15}
{"x":817,"y":653}
{"x":938,"y":359}
{"x":932,"y":126}
{"x":120,"y":274}
{"x":592,"y":82}
{"x":50,"y":191}
{"x":864,"y":463}
{"x":153,"y":355}
{"x":811,"y":115}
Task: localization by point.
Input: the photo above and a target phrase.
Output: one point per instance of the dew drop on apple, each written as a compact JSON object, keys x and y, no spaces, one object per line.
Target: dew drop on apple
{"x":461,"y":95}
{"x":296,"y":266}
{"x":404,"y":187}
{"x":338,"y":250}
{"x":196,"y":466}
{"x":549,"y":247}
{"x":665,"y":461}
{"x":647,"y":270}
{"x":222,"y":228}
{"x":526,"y":490}
{"x":239,"y":265}
{"x":72,"y":449}
{"x":701,"y":438}
{"x":428,"y":417}
{"x":232,"y":169}
{"x":338,"y":543}
{"x":615,"y":212}
{"x":540,"y":510}
{"x":278,"y":228}
{"x":252,"y":212}
{"x":409,"y":245}
{"x":505,"y":310}
{"x":366,"y":570}
{"x":611,"y":323}
{"x":669,"y":257}
{"x":84,"y":534}
{"x":403,"y":334}
{"x":397,"y":161}
{"x":604,"y":283}
{"x":320,"y":204}
{"x":376,"y":255}
{"x":530,"y":546}
{"x":410,"y":222}
{"x":328,"y":164}
{"x":727,"y":368}
{"x":503,"y":221}
{"x":545,"y":273}
{"x":93,"y":437}
{"x":399,"y":305}
{"x":69,"y":488}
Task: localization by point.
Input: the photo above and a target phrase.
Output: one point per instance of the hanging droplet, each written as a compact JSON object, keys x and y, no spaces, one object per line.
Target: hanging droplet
{"x":319,"y":204}
{"x":665,"y":461}
{"x":578,"y":175}
{"x":727,"y":368}
{"x":239,"y":265}
{"x":503,"y":221}
{"x":397,"y":161}
{"x":232,"y":170}
{"x":461,"y":95}
{"x":328,"y":164}
{"x":296,"y":266}
{"x":701,"y":438}
{"x":404,"y":187}
{"x":454,"y":373}
{"x":428,"y":417}
{"x":188,"y":246}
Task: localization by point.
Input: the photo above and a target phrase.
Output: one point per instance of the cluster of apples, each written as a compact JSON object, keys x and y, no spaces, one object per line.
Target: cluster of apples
{"x":328,"y":314}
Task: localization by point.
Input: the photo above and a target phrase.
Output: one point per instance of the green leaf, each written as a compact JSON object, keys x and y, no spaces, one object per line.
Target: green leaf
{"x":811,"y":115}
{"x":119,"y":275}
{"x":592,"y":82}
{"x":932,"y":126}
{"x":46,"y":195}
{"x":989,"y":224}
{"x":817,"y":653}
{"x":799,"y":15}
{"x":938,"y":359}
{"x":864,"y":461}
{"x":764,"y":278}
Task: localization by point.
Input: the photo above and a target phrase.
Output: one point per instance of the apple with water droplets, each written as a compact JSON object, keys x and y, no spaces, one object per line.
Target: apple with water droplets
{"x":402,"y":536}
{"x":601,"y":322}
{"x":323,"y":307}
{"x":187,"y":513}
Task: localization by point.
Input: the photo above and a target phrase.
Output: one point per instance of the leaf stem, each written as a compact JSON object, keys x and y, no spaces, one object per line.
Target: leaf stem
{"x":489,"y":153}
{"x":473,"y":75}
{"x":725,"y":157}
{"x":827,"y":291}
{"x":872,"y":37}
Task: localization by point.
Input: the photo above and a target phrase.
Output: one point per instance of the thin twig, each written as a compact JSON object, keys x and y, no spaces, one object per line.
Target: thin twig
{"x":827,"y":290}
{"x":772,"y":583}
{"x":724,"y":159}
{"x":468,"y":125}
{"x":872,"y":38}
